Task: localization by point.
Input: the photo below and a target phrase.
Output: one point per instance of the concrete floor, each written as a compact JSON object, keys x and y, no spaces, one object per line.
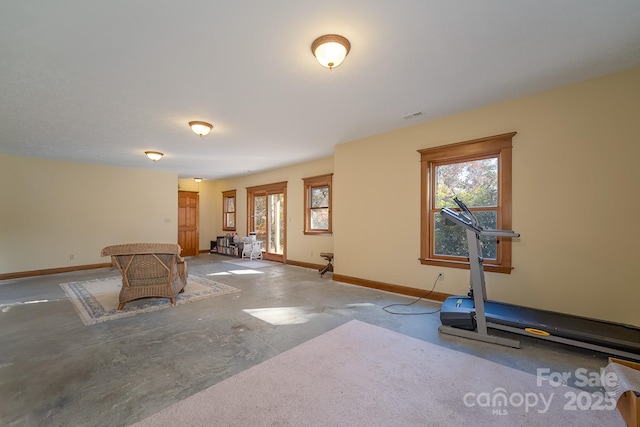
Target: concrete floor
{"x":54,"y":371}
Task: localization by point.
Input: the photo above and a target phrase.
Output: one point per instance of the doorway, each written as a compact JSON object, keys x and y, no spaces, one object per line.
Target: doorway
{"x":189,"y":223}
{"x":266,"y":216}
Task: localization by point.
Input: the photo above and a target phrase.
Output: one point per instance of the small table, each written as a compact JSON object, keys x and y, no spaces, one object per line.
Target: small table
{"x":329,"y":267}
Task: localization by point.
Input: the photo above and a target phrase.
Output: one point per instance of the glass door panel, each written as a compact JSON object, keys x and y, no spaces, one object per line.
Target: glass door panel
{"x":266,"y":209}
{"x":260,"y":217}
{"x":275,"y":241}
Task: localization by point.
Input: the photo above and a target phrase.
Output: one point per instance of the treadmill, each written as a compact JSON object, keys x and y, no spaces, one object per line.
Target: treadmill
{"x":471,"y":316}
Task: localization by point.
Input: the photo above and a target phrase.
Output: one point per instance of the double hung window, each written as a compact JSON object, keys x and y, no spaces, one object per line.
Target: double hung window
{"x":317,"y":204}
{"x":478,"y":172}
{"x":229,"y":210}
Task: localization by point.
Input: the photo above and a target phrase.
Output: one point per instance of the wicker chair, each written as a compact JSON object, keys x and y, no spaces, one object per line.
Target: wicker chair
{"x":148,"y":270}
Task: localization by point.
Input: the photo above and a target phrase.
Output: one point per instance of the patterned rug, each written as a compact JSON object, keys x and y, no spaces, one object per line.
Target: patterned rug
{"x":96,"y":301}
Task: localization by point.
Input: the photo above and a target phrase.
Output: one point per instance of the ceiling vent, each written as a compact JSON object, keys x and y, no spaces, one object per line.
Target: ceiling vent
{"x":412,"y":115}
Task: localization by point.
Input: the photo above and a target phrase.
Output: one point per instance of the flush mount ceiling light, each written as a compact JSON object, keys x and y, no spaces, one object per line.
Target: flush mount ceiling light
{"x":198,"y":180}
{"x":330,"y":50}
{"x":201,"y":129}
{"x":154,"y":155}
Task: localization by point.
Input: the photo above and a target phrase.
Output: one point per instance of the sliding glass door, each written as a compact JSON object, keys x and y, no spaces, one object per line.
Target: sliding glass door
{"x":266,"y":215}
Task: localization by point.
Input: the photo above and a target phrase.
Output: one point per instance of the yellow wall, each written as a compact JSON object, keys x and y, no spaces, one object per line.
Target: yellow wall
{"x":299,"y":247}
{"x":575,"y":200}
{"x":50,"y":210}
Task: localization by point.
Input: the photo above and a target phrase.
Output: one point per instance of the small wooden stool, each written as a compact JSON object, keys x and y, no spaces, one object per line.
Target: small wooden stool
{"x":329,"y":267}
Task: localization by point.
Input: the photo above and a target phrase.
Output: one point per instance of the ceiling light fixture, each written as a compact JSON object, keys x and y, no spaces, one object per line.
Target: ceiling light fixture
{"x":154,"y":155}
{"x":201,"y":129}
{"x":330,"y":50}
{"x":198,"y":180}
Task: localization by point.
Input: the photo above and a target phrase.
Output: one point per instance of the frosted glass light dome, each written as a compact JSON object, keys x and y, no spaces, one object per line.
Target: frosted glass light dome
{"x":201,"y":128}
{"x":330,"y":50}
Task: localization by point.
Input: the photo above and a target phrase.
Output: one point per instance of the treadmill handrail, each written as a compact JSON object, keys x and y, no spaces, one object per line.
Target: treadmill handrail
{"x":467,"y":212}
{"x":463,"y":220}
{"x":459,"y":219}
{"x":499,"y":233}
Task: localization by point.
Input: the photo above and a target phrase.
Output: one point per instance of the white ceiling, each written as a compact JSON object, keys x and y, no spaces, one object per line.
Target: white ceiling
{"x":102,"y":81}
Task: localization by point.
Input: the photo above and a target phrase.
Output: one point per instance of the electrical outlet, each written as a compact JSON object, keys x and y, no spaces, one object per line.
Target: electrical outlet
{"x":441,"y":276}
{"x":71,"y":256}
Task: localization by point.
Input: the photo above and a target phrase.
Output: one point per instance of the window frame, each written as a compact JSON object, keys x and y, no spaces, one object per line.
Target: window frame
{"x":230,"y":194}
{"x":499,"y":146}
{"x":309,"y":184}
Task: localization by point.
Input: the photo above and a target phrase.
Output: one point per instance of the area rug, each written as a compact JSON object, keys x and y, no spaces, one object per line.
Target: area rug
{"x":96,"y":300}
{"x":364,"y":375}
{"x":253,"y":263}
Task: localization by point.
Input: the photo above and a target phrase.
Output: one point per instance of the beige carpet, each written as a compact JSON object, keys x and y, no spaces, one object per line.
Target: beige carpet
{"x":364,"y":375}
{"x":96,"y":300}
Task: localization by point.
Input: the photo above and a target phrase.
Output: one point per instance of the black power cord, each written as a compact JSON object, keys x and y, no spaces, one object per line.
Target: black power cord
{"x":385,"y":308}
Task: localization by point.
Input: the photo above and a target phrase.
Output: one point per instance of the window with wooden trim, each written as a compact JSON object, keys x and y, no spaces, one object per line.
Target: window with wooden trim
{"x":317,"y":204}
{"x":478,"y":172}
{"x":229,"y":210}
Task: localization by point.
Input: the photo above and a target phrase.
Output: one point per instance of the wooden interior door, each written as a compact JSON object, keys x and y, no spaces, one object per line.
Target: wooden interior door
{"x":189,"y":222}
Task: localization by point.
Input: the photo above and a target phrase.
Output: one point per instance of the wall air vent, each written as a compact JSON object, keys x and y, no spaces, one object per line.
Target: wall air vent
{"x":412,"y":115}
